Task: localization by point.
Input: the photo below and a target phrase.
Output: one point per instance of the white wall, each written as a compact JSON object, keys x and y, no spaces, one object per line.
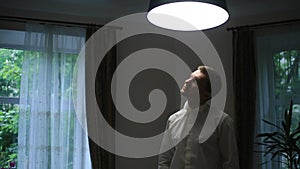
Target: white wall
{"x":242,"y":13}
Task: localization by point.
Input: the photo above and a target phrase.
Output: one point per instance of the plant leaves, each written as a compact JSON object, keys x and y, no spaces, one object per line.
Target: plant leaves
{"x":284,"y":125}
{"x":272,"y":124}
{"x":264,"y":135}
{"x":276,"y":153}
{"x":289,"y":117}
{"x":285,"y":142}
{"x":295,"y":164}
{"x":263,"y":163}
{"x":295,"y":132}
{"x":271,"y":149}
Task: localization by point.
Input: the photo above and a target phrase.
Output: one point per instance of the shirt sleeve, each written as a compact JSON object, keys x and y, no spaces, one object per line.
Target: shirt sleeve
{"x":165,"y":159}
{"x":227,"y":144}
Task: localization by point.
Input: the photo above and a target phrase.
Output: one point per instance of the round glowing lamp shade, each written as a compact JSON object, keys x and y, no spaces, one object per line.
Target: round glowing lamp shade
{"x":187,"y":15}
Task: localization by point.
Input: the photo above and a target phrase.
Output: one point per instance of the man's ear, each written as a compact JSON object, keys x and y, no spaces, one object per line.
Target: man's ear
{"x":207,"y":96}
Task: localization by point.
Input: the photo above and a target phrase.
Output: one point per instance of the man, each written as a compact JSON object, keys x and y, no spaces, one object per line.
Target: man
{"x":193,"y":149}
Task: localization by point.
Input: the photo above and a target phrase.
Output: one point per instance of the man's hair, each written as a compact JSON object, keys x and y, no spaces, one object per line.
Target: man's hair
{"x":212,"y":77}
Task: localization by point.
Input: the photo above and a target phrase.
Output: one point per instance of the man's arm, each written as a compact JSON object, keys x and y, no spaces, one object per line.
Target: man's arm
{"x":165,"y":159}
{"x":227,"y":144}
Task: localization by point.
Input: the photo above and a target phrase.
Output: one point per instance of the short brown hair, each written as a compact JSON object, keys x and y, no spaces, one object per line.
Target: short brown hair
{"x":212,"y":76}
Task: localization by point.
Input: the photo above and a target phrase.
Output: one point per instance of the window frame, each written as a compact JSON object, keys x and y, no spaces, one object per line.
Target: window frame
{"x":268,"y":42}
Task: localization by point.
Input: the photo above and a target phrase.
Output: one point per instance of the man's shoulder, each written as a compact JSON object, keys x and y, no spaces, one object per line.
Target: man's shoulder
{"x":225,"y":121}
{"x":177,"y":116}
{"x":220,"y":114}
{"x":223,"y":115}
{"x":226,"y":118}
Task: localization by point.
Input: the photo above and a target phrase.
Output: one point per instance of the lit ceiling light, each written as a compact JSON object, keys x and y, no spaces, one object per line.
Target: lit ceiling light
{"x":187,"y":15}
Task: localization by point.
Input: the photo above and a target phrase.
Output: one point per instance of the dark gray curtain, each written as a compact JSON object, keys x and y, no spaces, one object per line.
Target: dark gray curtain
{"x":244,"y":81}
{"x":102,"y":159}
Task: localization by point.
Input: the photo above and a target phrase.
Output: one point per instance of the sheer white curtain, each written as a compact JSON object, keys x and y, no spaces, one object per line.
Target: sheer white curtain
{"x":49,"y":133}
{"x":268,"y":42}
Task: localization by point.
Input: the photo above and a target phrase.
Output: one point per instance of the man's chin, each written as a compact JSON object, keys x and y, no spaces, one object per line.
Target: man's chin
{"x":183,"y":92}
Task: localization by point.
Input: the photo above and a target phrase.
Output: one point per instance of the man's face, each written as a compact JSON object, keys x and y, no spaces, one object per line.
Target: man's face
{"x":194,"y":86}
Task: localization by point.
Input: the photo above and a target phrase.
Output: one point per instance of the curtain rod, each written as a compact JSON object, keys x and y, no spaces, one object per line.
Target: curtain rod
{"x":261,"y":25}
{"x":48,"y":21}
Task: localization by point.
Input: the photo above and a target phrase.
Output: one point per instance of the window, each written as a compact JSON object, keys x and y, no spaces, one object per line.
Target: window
{"x":287,"y":86}
{"x":38,"y":126}
{"x":278,"y":72}
{"x":287,"y":81}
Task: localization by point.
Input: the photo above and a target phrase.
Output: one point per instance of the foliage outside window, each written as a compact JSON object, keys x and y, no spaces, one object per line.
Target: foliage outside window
{"x":10,"y":81}
{"x":10,"y":78}
{"x":287,"y":85}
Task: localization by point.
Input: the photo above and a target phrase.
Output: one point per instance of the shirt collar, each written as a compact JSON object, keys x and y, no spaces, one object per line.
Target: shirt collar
{"x":187,"y":107}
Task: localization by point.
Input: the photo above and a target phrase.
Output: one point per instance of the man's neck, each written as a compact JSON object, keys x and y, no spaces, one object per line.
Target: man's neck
{"x":194,"y":103}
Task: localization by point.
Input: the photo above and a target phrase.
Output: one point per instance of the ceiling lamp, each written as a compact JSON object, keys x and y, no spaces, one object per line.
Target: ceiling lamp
{"x":187,"y":15}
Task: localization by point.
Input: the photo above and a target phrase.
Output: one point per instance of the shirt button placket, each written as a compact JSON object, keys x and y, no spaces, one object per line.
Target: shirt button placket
{"x":188,"y":151}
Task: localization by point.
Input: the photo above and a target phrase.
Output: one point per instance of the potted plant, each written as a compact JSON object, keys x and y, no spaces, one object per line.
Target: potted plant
{"x":283,"y":141}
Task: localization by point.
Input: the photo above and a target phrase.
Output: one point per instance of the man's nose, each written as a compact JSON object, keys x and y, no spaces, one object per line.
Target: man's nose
{"x":188,"y":81}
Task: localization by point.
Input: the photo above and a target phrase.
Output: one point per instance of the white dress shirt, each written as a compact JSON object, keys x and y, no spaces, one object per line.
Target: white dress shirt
{"x":209,"y":150}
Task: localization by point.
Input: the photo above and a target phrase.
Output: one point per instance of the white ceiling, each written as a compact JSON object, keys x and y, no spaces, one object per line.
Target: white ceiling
{"x":107,"y":10}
